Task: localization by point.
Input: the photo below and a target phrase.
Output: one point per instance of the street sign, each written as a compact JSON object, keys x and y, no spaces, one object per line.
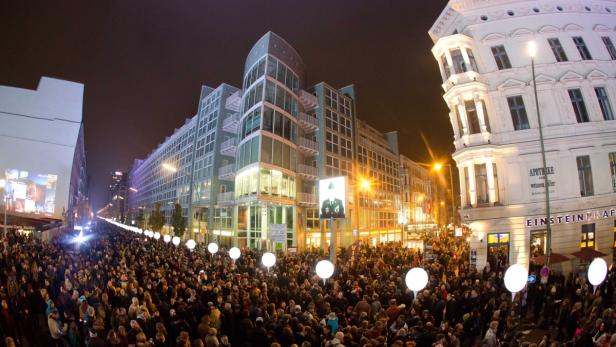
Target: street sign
{"x":532,"y":278}
{"x":278,"y":232}
{"x":545,"y":271}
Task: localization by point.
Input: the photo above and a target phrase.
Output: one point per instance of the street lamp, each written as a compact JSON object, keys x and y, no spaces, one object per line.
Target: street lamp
{"x":532,"y":51}
{"x":437,"y":167}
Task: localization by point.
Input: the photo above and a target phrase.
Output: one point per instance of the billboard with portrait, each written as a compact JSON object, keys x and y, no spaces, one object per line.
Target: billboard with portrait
{"x":28,"y":192}
{"x":332,"y":197}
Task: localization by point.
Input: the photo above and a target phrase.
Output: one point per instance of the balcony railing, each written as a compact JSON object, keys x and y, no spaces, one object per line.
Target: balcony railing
{"x":308,"y":100}
{"x":307,"y":171}
{"x":226,"y":172}
{"x":308,"y":146}
{"x":307,"y":199}
{"x":308,"y":122}
{"x":226,"y":197}
{"x":231,"y":123}
{"x":234,"y":101}
{"x":228,"y":147}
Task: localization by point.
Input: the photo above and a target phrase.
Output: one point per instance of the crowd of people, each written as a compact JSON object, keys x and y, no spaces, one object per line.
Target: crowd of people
{"x":119,"y":289}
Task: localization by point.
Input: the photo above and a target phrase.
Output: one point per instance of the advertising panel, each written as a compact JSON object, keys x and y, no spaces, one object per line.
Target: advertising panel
{"x":28,"y":192}
{"x":332,"y":197}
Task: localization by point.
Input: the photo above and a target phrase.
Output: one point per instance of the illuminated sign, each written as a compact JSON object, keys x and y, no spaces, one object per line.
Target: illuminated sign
{"x":573,"y":218}
{"x":332,"y":197}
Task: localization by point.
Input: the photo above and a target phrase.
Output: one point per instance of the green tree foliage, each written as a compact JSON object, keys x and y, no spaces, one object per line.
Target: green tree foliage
{"x":179,"y":225}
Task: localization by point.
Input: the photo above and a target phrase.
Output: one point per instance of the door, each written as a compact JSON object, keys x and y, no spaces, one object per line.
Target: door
{"x":498,"y":251}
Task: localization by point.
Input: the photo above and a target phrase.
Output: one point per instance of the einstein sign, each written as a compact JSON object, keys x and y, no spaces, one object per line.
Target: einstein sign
{"x":582,"y":217}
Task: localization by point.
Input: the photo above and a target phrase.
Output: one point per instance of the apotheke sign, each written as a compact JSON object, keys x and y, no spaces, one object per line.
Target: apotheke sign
{"x":537,"y":180}
{"x":573,"y":217}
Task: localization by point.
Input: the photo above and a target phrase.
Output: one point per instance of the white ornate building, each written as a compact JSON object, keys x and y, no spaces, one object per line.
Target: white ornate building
{"x":481,"y":49}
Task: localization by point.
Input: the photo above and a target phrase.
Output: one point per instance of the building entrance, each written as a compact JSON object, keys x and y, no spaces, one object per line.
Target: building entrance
{"x":498,"y":250}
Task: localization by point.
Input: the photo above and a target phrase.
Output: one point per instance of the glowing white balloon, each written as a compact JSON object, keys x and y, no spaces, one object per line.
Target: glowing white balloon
{"x":416,"y":279}
{"x":325,"y":269}
{"x":597,"y":271}
{"x":167,"y":238}
{"x":516,"y":277}
{"x":268,"y":260}
{"x":234,"y":253}
{"x":190,"y":244}
{"x":175,"y":240}
{"x":156,"y":235}
{"x":212,"y":248}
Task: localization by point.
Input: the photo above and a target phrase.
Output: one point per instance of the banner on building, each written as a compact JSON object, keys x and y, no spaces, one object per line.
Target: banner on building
{"x":332,"y":197}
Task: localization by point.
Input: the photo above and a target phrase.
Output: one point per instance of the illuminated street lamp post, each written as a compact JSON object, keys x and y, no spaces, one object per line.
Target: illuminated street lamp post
{"x":173,"y":169}
{"x":532,"y":51}
{"x":438,"y":167}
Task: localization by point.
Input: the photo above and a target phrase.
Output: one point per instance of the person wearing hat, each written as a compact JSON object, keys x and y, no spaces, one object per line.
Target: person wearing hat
{"x":332,"y":207}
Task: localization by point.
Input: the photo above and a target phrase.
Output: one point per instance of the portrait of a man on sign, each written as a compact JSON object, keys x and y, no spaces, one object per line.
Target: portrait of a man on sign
{"x":332,"y":197}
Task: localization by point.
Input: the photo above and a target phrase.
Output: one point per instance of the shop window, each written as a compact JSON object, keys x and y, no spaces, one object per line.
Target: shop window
{"x":538,"y":243}
{"x":588,"y":236}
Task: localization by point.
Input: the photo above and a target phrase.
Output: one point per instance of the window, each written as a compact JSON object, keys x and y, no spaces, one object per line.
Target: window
{"x":312,"y":218}
{"x":471,"y":59}
{"x":577,"y":101}
{"x":610,"y":46}
{"x":518,"y":112}
{"x":612,"y":157}
{"x":458,"y":61}
{"x":588,"y":236}
{"x":501,"y":58}
{"x":467,"y":187}
{"x":459,"y":121}
{"x":481,"y":184}
{"x":557,"y":49}
{"x":486,"y":119}
{"x":604,"y":103}
{"x":445,"y":66}
{"x":495,"y":175}
{"x":585,"y":175}
{"x":581,"y":46}
{"x":471,"y":116}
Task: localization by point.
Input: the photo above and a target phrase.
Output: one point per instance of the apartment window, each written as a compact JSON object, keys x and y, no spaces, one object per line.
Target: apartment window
{"x":501,"y":58}
{"x":577,"y":101}
{"x":458,"y":61}
{"x":467,"y":187}
{"x":486,"y":119}
{"x":585,"y":175}
{"x":471,"y":117}
{"x":610,"y":46}
{"x":518,"y":112}
{"x":459,"y":121}
{"x":588,"y":236}
{"x":557,"y":49}
{"x":445,"y":66}
{"x":604,"y":103}
{"x":495,"y":175}
{"x":581,"y":47}
{"x":471,"y":59}
{"x":481,"y":184}
{"x":612,"y":157}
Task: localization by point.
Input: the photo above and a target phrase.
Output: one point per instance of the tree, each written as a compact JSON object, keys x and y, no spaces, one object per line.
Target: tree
{"x":140,"y":219}
{"x":178,"y":221}
{"x":157,"y":219}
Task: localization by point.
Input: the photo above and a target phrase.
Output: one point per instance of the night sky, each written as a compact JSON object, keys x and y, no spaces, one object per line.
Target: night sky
{"x":143,"y":62}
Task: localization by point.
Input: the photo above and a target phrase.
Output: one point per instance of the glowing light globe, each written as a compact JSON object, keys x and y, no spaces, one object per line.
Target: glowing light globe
{"x":175,"y":240}
{"x":156,"y":235}
{"x":416,"y":279}
{"x":516,"y":277}
{"x":139,"y":231}
{"x":190,"y":244}
{"x":234,"y":253}
{"x":597,"y":271}
{"x":268,"y":259}
{"x":325,"y":269}
{"x":167,"y":238}
{"x":212,"y":248}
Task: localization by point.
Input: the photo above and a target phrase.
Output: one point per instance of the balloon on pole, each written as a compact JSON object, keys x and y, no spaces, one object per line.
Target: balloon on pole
{"x":212,"y":248}
{"x":416,"y":280}
{"x":167,"y":238}
{"x":515,"y":279}
{"x":597,"y":271}
{"x":176,"y":241}
{"x":235,"y":253}
{"x":324,"y":269}
{"x":156,"y":235}
{"x":190,"y":244}
{"x":268,"y":259}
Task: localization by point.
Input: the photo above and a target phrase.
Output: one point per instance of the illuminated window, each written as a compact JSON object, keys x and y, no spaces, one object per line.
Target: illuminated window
{"x":496,"y":238}
{"x":588,"y":236}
